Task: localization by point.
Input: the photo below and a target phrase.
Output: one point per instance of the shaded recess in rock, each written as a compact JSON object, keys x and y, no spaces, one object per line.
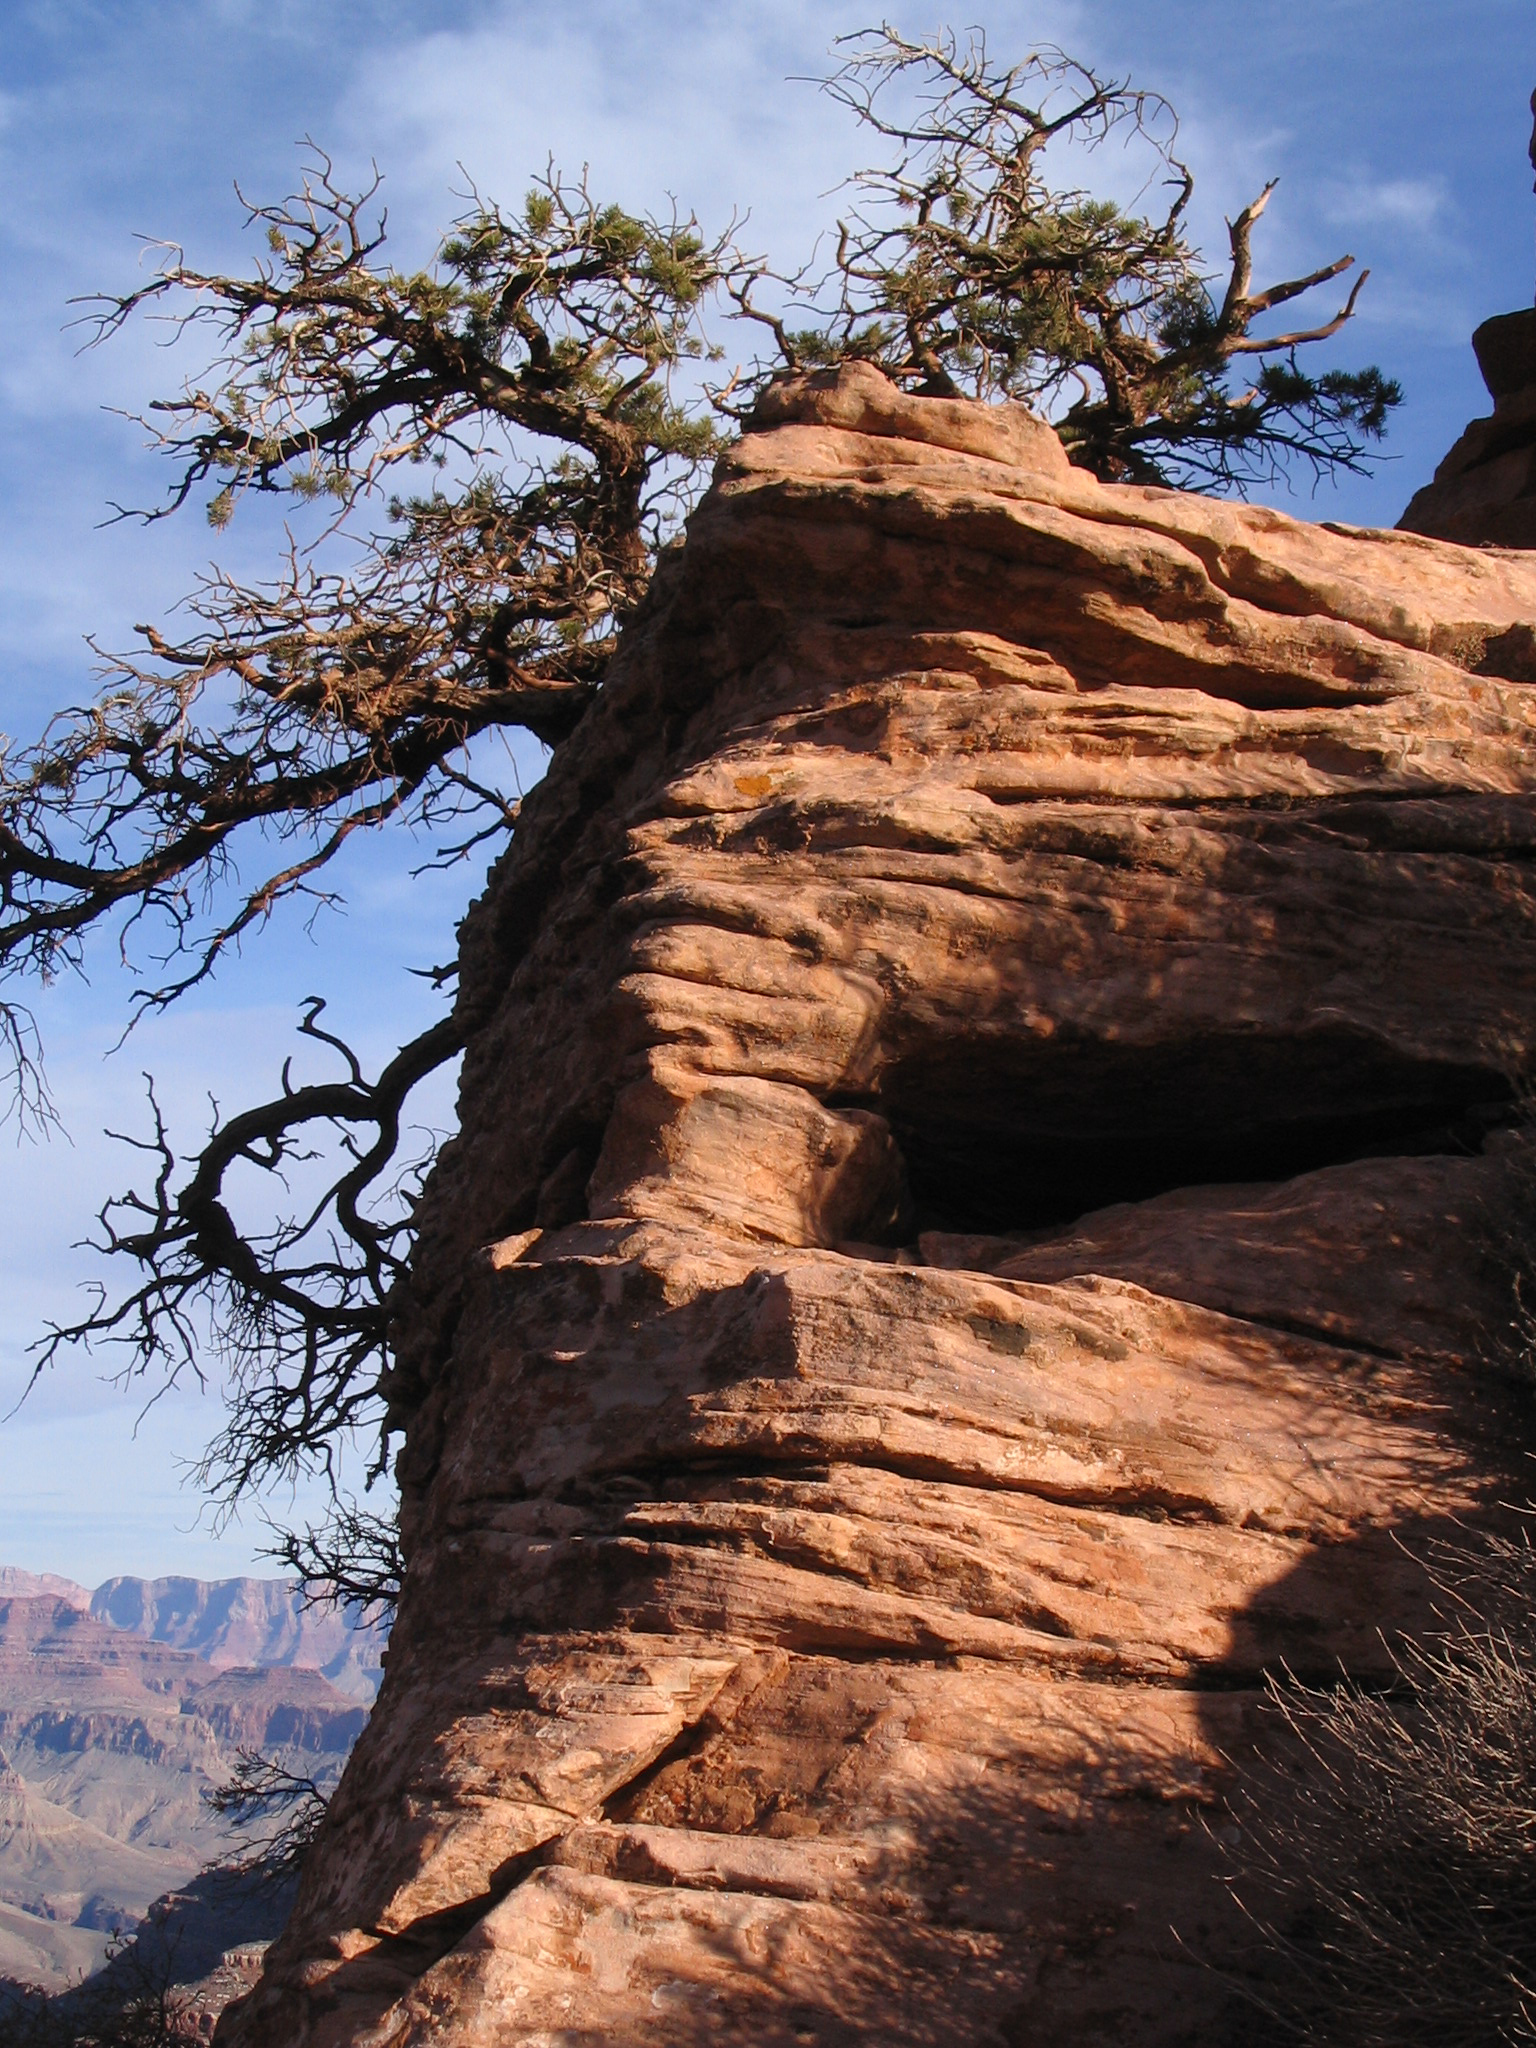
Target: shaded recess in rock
{"x":998,"y":1137}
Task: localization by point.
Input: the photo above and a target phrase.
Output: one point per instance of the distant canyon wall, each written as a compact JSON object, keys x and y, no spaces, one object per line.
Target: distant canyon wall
{"x":230,"y":1622}
{"x":108,"y":1744}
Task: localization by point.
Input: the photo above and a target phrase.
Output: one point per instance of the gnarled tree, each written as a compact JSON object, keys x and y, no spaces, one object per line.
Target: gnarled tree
{"x":963,"y":269}
{"x":546,"y":374}
{"x":530,"y":369}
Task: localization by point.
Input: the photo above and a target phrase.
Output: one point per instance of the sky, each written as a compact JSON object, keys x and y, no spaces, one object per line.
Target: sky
{"x":1397,"y":129}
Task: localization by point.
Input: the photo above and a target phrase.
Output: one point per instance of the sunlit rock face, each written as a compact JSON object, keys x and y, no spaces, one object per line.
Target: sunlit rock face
{"x":992,"y":1046}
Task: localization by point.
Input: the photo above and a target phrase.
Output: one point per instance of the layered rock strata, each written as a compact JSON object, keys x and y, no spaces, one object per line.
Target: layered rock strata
{"x":108,"y":1745}
{"x":996,"y":1042}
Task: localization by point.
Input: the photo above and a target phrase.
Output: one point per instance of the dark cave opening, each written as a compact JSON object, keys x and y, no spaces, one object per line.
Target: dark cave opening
{"x":999,"y":1137}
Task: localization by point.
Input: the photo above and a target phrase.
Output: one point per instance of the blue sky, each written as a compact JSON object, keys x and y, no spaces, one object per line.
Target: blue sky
{"x":1397,"y":129}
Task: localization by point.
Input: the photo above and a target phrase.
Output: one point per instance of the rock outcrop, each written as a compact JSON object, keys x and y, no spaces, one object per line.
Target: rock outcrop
{"x":995,"y":1040}
{"x":1484,"y":492}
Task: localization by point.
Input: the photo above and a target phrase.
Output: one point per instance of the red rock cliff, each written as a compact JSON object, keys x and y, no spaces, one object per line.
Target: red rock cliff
{"x":963,"y":1252}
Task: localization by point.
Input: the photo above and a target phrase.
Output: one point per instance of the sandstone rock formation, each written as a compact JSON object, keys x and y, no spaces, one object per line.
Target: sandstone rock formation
{"x":994,"y":1040}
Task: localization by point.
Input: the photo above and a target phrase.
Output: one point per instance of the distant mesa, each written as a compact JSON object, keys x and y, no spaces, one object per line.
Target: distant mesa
{"x":16,"y":1584}
{"x":261,"y":1622}
{"x":245,"y":1621}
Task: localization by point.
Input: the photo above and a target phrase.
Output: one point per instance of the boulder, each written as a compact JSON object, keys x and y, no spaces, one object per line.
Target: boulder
{"x":1484,"y":492}
{"x":993,"y":1051}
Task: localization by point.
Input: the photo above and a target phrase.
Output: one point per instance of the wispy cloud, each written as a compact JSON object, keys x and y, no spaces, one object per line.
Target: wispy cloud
{"x":1421,"y":206}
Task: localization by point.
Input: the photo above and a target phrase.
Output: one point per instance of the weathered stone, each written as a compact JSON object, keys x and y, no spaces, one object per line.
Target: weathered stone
{"x":1484,"y":492}
{"x":992,"y":1043}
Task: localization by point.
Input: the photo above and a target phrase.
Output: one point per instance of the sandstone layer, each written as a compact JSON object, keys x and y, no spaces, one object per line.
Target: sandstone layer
{"x":994,"y":1045}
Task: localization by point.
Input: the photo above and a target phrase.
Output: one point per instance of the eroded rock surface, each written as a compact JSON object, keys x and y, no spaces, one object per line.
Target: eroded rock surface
{"x":994,"y":1042}
{"x":1484,"y":492}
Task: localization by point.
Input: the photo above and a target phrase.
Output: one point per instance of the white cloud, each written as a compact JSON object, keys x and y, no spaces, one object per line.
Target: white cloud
{"x":706,"y":109}
{"x":1419,"y":205}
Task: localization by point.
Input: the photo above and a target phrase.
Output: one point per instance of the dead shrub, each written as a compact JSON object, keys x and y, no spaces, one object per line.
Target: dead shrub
{"x":1387,"y":1849}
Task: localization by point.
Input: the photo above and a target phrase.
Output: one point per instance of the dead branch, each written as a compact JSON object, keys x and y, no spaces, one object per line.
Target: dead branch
{"x":1250,"y":346}
{"x":296,"y":1315}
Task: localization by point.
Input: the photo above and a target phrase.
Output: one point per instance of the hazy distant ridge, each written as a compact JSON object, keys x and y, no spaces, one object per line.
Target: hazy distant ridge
{"x":15,"y":1584}
{"x":227,"y":1622}
{"x":249,"y":1622}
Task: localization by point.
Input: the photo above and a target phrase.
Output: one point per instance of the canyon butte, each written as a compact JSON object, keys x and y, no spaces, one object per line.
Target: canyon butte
{"x":990,"y":1055}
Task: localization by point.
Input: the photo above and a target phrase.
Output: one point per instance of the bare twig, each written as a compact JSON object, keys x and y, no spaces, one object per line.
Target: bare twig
{"x":296,"y":1315}
{"x":275,"y":1814}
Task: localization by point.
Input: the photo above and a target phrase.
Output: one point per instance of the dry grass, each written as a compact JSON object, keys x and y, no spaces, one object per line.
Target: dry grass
{"x":1389,"y":1856}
